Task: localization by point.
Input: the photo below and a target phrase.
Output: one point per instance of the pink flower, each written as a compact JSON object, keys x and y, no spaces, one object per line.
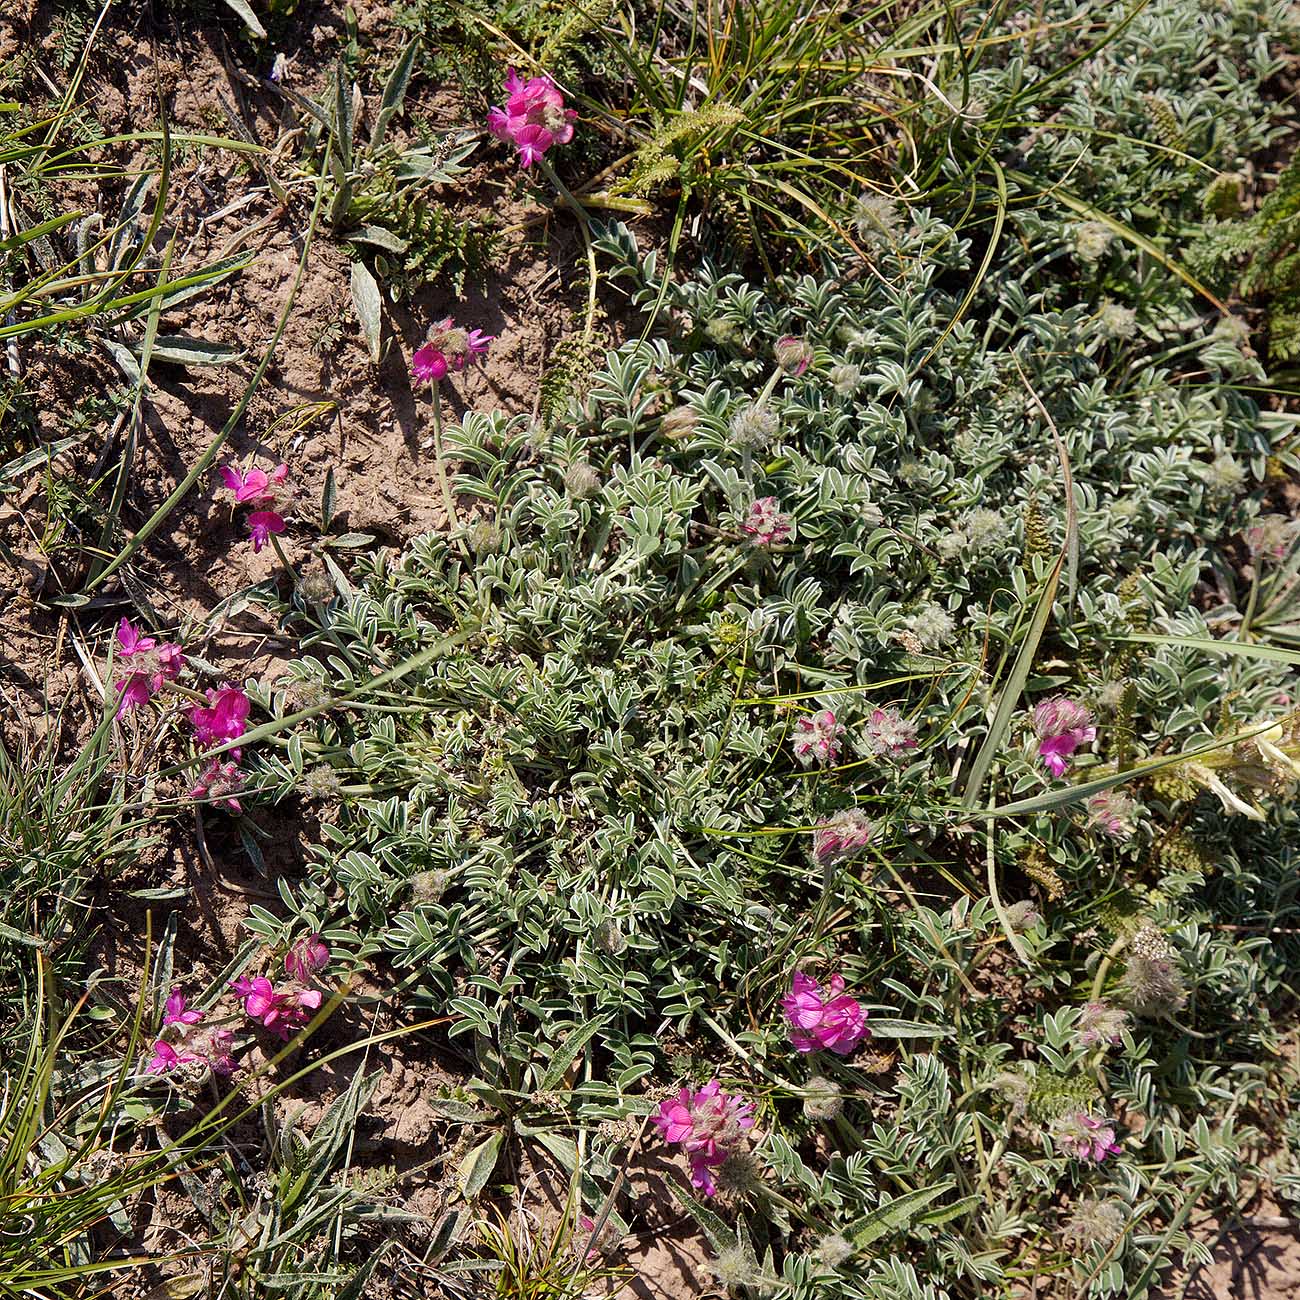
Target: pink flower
{"x":307,"y":958}
{"x":216,"y":1051}
{"x":130,"y":640}
{"x":447,"y":348}
{"x":836,"y":1023}
{"x":223,"y":719}
{"x":261,"y":524}
{"x":841,"y":836}
{"x":709,"y":1125}
{"x":1085,"y":1137}
{"x":765,"y":524}
{"x":1062,"y":725}
{"x":134,"y":692}
{"x":1111,"y":812}
{"x":1101,"y":1023}
{"x":817,"y":739}
{"x":534,"y":117}
{"x":152,"y":665}
{"x":166,"y":1058}
{"x":255,"y":486}
{"x":793,"y":355}
{"x":176,"y":1013}
{"x":280,"y":1012}
{"x":219,"y":782}
{"x":890,"y":734}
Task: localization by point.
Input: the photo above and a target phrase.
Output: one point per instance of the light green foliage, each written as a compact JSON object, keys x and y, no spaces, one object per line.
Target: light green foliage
{"x":592,"y":815}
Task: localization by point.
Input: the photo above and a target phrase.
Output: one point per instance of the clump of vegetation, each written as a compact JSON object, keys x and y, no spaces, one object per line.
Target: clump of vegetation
{"x":841,"y":735}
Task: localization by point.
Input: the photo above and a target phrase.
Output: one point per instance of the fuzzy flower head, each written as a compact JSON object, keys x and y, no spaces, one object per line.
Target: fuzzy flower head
{"x":219,"y":783}
{"x":446,"y":348}
{"x":1085,"y":1137}
{"x":765,"y":525}
{"x":753,"y":427}
{"x":1112,"y":813}
{"x":888,"y":734}
{"x":150,"y":665}
{"x":1061,"y":725}
{"x":831,"y":1020}
{"x":1223,"y":476}
{"x":817,"y":739}
{"x":932,"y":626}
{"x":793,"y":355}
{"x":822,"y":1098}
{"x":1091,"y":239}
{"x":281,"y":1011}
{"x":1152,"y":983}
{"x":842,"y":836}
{"x":1117,"y":321}
{"x":534,"y":117}
{"x":709,"y":1125}
{"x":1095,"y":1223}
{"x":845,"y":378}
{"x":223,"y":718}
{"x":306,"y":959}
{"x":1100,"y":1023}
{"x":1270,"y":537}
{"x":876,"y":222}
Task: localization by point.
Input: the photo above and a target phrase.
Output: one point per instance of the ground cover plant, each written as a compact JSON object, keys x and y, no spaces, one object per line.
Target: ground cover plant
{"x":793,"y":796}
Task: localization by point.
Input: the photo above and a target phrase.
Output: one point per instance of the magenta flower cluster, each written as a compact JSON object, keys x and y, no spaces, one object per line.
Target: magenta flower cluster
{"x":824,"y":1020}
{"x":150,"y":664}
{"x":262,"y":491}
{"x":817,"y":739}
{"x":191,"y":1044}
{"x":841,"y":836}
{"x":1085,"y":1137}
{"x":709,"y":1125}
{"x":446,"y":348}
{"x":1061,"y":725}
{"x":765,"y":525}
{"x":188,"y":1043}
{"x":534,"y":118}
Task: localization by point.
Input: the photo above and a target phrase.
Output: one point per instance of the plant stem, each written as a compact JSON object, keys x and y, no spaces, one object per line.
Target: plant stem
{"x":584,"y":224}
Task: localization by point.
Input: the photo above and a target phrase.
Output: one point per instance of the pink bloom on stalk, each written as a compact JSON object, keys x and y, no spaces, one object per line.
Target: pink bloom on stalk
{"x":134,"y":693}
{"x":841,"y":836}
{"x":765,"y":525}
{"x":1101,"y":1023}
{"x":223,"y":719}
{"x":176,"y":1013}
{"x":817,"y":739}
{"x":255,"y":486}
{"x":1085,"y":1137}
{"x":261,"y":524}
{"x":447,"y":348}
{"x":1112,"y":812}
{"x":793,"y":355}
{"x":889,"y":734}
{"x":307,"y":958}
{"x":217,"y":1051}
{"x":166,"y":1058}
{"x":709,"y":1125}
{"x":155,"y":664}
{"x":836,"y":1023}
{"x":279,"y":1012}
{"x":130,"y":640}
{"x":219,"y":782}
{"x":534,"y":117}
{"x":1062,"y":725}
